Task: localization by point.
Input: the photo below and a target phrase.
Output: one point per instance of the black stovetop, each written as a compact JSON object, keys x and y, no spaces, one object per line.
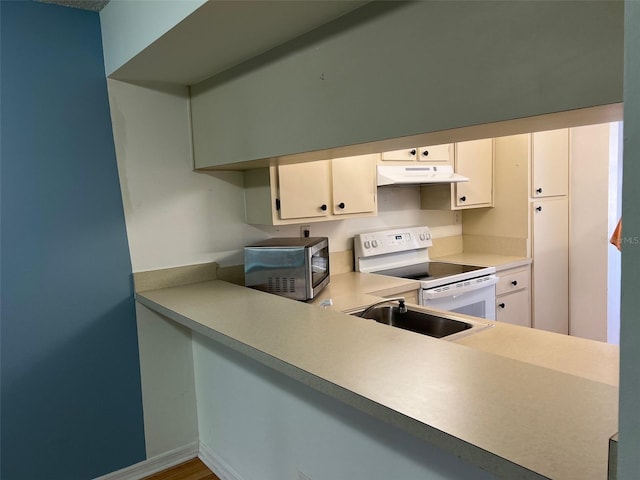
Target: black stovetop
{"x":428,"y":270}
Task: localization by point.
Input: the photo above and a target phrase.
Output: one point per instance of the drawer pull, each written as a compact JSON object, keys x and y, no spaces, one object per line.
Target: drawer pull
{"x":501,"y":305}
{"x":514,"y":283}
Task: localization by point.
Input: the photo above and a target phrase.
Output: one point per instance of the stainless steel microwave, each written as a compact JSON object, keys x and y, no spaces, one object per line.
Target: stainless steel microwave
{"x":292,"y":267}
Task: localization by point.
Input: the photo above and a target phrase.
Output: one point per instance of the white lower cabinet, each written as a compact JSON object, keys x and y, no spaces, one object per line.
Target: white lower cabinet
{"x":513,"y":296}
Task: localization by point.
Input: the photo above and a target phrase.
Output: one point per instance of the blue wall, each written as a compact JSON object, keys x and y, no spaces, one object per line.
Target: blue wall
{"x":71,"y":403}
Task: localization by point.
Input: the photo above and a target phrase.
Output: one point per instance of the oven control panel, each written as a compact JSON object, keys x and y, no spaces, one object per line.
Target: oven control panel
{"x":391,"y":241}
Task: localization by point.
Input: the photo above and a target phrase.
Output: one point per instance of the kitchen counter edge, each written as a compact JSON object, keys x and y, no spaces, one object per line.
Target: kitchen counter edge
{"x":185,"y":305}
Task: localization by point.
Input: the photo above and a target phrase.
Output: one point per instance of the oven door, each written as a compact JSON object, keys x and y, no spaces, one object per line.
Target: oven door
{"x":477,"y":299}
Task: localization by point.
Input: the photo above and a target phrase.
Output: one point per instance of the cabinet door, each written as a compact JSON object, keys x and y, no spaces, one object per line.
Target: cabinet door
{"x":354,"y":184}
{"x":304,"y":190}
{"x":550,"y":163}
{"x":474,"y":159}
{"x":514,"y":308}
{"x":550,"y":271}
{"x":442,"y":154}
{"x":405,"y":155}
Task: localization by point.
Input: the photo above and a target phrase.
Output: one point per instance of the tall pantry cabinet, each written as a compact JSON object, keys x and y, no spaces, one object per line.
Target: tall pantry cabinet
{"x":550,"y":230}
{"x":530,"y":216}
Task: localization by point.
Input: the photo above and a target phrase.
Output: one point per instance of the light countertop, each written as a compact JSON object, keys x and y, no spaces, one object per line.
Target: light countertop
{"x":484,"y":397}
{"x":354,"y":290}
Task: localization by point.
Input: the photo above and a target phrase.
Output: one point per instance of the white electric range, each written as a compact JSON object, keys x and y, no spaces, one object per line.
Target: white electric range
{"x":403,"y":253}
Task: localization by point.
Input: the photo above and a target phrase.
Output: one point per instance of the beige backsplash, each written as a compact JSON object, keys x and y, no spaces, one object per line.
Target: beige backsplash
{"x":341,"y":262}
{"x":511,"y":246}
{"x":446,"y":246}
{"x":174,"y":277}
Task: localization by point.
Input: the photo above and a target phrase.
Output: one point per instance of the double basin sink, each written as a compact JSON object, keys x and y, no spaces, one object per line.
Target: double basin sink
{"x":419,"y":321}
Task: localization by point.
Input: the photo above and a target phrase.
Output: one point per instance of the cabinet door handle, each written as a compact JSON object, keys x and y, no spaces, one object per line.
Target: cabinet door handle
{"x":501,"y":305}
{"x":341,"y":205}
{"x":323,"y":207}
{"x":463,"y":198}
{"x":277,"y":204}
{"x":425,"y":153}
{"x":412,"y":152}
{"x":514,"y":283}
{"x":539,"y":190}
{"x":538,"y":209}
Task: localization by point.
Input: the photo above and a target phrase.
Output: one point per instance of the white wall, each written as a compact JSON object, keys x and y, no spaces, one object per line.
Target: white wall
{"x":615,"y":213}
{"x":168,"y":390}
{"x":128,"y":26}
{"x":269,"y":427}
{"x":176,"y":216}
{"x":397,"y":207}
{"x":589,"y":232}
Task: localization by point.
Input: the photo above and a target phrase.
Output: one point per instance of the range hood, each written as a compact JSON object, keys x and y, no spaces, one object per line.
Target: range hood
{"x":417,"y":174}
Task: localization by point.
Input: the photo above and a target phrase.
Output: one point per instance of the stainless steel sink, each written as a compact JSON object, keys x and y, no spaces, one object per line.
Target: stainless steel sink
{"x":418,"y":321}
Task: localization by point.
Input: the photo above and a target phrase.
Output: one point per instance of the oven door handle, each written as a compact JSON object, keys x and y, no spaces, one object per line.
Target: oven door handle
{"x":459,"y":288}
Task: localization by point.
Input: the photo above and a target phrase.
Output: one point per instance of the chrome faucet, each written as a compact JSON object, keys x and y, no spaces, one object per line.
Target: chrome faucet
{"x":402,"y":308}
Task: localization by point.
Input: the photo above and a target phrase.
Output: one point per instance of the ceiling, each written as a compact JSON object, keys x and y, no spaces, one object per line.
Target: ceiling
{"x":222,"y":34}
{"x":93,"y":5}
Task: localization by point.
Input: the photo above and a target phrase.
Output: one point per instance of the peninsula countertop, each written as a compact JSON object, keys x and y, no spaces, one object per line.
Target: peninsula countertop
{"x":518,"y":419}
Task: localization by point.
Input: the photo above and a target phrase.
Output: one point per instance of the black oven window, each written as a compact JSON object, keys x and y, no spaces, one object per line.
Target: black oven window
{"x":477,"y":309}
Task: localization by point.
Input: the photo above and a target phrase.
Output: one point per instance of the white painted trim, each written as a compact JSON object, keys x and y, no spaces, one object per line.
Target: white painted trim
{"x":156,"y":464}
{"x":216,"y":464}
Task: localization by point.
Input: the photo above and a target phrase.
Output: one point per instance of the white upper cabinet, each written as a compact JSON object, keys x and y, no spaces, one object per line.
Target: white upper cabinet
{"x":405,"y":155}
{"x":438,"y":154}
{"x":472,"y":159}
{"x":312,"y":191}
{"x":550,"y":163}
{"x":354,"y":187}
{"x":305,"y":190}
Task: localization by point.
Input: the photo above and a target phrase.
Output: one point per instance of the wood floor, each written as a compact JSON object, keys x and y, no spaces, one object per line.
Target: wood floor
{"x":191,"y":470}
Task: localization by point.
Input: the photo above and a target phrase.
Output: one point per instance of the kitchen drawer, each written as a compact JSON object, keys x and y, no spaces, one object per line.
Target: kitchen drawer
{"x":512,"y":281}
{"x":514,"y":308}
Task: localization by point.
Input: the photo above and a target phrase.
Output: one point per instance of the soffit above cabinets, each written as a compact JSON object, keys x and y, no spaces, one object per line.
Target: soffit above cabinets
{"x":223,"y":34}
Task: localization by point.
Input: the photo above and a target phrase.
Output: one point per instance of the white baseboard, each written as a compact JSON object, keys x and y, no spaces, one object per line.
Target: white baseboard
{"x":218,"y":466}
{"x":155,"y":464}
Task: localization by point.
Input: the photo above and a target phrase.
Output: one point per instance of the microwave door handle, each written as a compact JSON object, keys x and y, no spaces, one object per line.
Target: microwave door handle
{"x":318,"y":247}
{"x":433,"y":294}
